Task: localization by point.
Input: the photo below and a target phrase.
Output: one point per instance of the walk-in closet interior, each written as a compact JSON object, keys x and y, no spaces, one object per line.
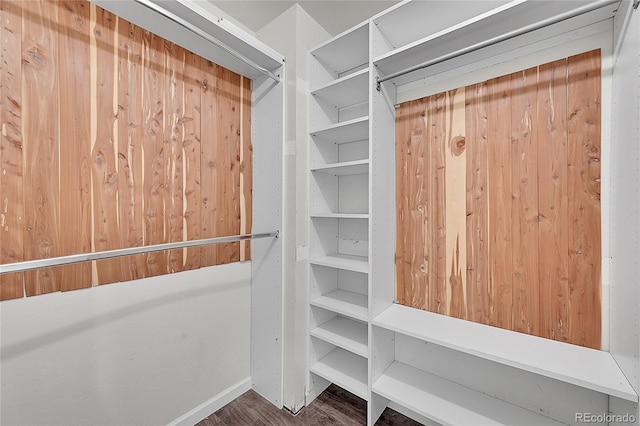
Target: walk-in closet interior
{"x":428,"y":210}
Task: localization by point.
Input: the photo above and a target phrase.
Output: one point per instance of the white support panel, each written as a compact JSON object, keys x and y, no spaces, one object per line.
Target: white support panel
{"x":345,"y":369}
{"x":347,"y":168}
{"x":449,"y":403}
{"x":345,"y":303}
{"x":346,"y":91}
{"x":345,"y":333}
{"x":344,"y":261}
{"x":267,"y":256}
{"x":588,"y":368}
{"x":347,"y":131}
{"x":221,"y":30}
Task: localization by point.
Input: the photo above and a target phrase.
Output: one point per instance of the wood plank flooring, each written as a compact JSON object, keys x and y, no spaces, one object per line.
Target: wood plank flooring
{"x":334,"y":406}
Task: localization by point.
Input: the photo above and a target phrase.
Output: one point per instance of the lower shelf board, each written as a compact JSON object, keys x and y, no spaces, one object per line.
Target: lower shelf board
{"x":449,"y":403}
{"x":345,"y":369}
{"x":345,"y":333}
{"x":344,"y":302}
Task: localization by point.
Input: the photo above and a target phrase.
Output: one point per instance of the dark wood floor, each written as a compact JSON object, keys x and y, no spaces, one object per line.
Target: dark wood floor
{"x":334,"y":406}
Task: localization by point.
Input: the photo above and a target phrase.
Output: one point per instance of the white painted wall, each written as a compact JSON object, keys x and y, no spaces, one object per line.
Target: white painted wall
{"x":141,"y":352}
{"x":293,"y":34}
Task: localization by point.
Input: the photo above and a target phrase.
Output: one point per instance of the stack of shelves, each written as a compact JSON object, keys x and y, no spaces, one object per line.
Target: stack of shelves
{"x":339,"y":211}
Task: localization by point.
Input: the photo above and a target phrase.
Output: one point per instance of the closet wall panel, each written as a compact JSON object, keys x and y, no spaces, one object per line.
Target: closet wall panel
{"x":113,"y":137}
{"x":498,"y":201}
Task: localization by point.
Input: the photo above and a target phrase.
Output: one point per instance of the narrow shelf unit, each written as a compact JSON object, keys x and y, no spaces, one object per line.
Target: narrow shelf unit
{"x":339,"y":194}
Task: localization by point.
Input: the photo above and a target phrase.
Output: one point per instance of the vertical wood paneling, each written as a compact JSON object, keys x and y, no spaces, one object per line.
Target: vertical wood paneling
{"x":174,"y":139}
{"x":153,"y":162}
{"x":11,"y":148}
{"x":104,"y":144}
{"x":227,"y":182}
{"x":519,"y":156}
{"x":191,"y":157}
{"x":524,"y":213}
{"x":41,"y":130}
{"x":583,"y":136}
{"x":552,"y":179}
{"x":437,"y":207}
{"x":130,"y":148}
{"x":499,"y":140}
{"x":455,"y":201}
{"x":208,"y":161}
{"x":246,"y":167}
{"x":102,"y":147}
{"x":478,"y":249}
{"x":75,"y":162}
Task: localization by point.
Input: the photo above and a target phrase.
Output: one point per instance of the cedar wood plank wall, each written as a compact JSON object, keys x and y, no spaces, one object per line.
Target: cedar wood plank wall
{"x":113,"y":137}
{"x":498,"y":201}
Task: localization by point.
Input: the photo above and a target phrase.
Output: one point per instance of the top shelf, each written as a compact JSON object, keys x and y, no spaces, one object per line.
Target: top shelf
{"x":588,"y":368}
{"x":504,"y":19}
{"x":344,"y":52}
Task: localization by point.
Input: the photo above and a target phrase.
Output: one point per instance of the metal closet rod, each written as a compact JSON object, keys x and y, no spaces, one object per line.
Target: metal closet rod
{"x":498,"y":39}
{"x":187,"y":25}
{"x":30,"y":265}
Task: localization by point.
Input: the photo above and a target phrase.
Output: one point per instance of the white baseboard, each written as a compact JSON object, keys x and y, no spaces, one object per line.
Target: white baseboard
{"x":214,"y":404}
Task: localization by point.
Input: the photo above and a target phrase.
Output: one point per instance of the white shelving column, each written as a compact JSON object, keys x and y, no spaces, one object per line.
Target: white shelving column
{"x":339,"y":266}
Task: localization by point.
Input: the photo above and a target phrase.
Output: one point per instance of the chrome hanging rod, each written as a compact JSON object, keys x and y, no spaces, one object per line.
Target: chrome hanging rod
{"x":30,"y":265}
{"x":498,"y":39}
{"x":187,"y":25}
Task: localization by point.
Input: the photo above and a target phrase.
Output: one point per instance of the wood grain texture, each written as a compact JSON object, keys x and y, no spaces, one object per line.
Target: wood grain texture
{"x":477,"y":176}
{"x":524,"y":207}
{"x":246,"y":167}
{"x":173,"y":142}
{"x":437,"y":125}
{"x":191,"y":157}
{"x":521,"y":161}
{"x":41,"y":130}
{"x":552,"y":178}
{"x":75,"y":126}
{"x":227,"y":180}
{"x":455,"y":202}
{"x":102,"y":128}
{"x":500,"y":205}
{"x":11,"y":148}
{"x":154,"y":150}
{"x":130,"y":148}
{"x":208,"y":160}
{"x":105,"y":143}
{"x":583,"y":169}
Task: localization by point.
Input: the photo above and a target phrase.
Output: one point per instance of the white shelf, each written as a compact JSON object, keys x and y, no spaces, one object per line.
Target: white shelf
{"x":340,"y":215}
{"x":345,"y":262}
{"x":346,"y":168}
{"x":352,"y":89}
{"x":449,"y":403}
{"x":346,"y":51}
{"x":352,"y":305}
{"x":496,"y":22}
{"x":344,"y":333}
{"x":347,"y":370}
{"x":347,"y":131}
{"x":588,"y":368}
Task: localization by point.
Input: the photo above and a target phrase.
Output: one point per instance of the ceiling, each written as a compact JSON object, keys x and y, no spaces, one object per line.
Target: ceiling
{"x":333,"y":15}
